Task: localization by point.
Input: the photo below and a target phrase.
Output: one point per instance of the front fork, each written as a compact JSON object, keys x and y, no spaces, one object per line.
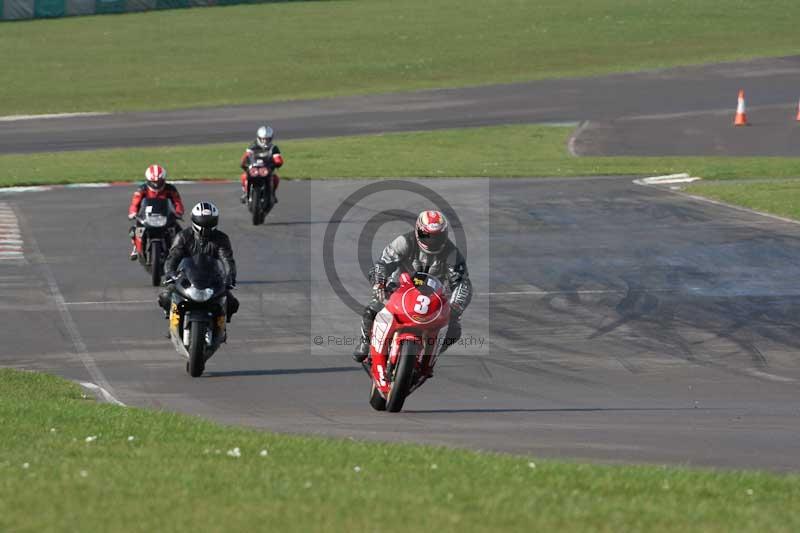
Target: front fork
{"x":182,"y":326}
{"x":383,"y":366}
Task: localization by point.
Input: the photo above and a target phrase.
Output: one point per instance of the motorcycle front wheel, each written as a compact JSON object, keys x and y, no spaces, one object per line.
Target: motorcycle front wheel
{"x":156,"y":263}
{"x":255,"y":196}
{"x":197,"y":350}
{"x":403,"y":376}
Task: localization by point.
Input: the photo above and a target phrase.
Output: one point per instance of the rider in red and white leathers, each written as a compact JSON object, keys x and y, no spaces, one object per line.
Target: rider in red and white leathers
{"x":426,"y":249}
{"x":155,"y":186}
{"x":262,"y":148}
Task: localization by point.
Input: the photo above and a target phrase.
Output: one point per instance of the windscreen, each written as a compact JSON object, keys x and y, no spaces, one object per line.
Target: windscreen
{"x":154,"y":206}
{"x":431,"y":282}
{"x":202,"y":271}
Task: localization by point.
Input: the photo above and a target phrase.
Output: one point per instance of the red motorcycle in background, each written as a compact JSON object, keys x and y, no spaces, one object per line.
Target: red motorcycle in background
{"x":260,"y":189}
{"x":407,"y":335}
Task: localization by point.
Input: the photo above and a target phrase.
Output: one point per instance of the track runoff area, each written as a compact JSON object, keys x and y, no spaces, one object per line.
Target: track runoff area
{"x":611,"y":321}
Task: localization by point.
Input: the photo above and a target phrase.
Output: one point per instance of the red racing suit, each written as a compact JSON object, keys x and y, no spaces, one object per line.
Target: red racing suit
{"x":271,"y":154}
{"x":168,"y":192}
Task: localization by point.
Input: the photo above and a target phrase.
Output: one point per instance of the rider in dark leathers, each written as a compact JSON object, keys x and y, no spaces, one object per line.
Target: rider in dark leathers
{"x":426,"y":249}
{"x":201,"y":238}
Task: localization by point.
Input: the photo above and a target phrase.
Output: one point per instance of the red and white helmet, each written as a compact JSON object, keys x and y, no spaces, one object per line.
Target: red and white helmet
{"x":431,"y":231}
{"x":156,"y":177}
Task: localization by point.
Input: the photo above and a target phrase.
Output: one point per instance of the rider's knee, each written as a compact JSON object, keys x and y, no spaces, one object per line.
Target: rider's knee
{"x":164,"y":299}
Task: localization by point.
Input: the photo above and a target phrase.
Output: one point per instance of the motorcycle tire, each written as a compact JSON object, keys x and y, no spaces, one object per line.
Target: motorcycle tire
{"x":403,"y":376}
{"x":377,"y":401}
{"x":197,"y":349}
{"x":256,"y":195}
{"x":268,"y":205}
{"x":156,"y":263}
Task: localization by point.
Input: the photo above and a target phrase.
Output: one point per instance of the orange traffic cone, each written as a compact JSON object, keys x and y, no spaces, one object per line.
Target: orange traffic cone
{"x":741,"y":113}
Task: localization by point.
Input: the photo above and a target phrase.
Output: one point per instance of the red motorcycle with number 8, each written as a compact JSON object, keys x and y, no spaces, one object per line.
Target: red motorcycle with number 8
{"x":407,"y":336}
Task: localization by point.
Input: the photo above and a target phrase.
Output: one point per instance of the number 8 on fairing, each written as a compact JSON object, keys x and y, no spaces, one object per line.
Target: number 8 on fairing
{"x":422,"y":304}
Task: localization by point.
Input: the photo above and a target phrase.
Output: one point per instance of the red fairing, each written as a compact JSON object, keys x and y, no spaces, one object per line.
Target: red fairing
{"x":168,"y":192}
{"x":278,"y":160}
{"x":413,"y":315}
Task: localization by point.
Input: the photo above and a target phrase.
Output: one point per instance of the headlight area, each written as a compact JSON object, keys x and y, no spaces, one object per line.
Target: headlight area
{"x":199,"y":295}
{"x":156,"y":221}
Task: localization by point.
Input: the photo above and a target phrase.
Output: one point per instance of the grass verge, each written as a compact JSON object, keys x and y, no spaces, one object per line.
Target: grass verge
{"x":505,"y":151}
{"x":215,"y":56}
{"x":779,"y":197}
{"x":70,"y":464}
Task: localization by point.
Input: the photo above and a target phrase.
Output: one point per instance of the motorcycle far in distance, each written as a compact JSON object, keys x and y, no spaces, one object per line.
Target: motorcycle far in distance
{"x":260,"y":188}
{"x":198,"y":310}
{"x":407,"y":336}
{"x":156,"y":227}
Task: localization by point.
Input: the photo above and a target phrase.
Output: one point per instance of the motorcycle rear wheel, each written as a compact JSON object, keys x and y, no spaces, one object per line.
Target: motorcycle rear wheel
{"x":197,"y":350}
{"x":403,"y":376}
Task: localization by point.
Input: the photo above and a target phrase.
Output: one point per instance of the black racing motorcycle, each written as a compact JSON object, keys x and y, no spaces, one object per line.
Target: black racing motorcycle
{"x":260,"y":188}
{"x":198,"y":310}
{"x":156,"y":227}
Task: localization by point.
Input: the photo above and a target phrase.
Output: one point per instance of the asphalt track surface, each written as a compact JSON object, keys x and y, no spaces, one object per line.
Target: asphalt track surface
{"x":680,"y":111}
{"x":620,"y":323}
{"x":613,"y":322}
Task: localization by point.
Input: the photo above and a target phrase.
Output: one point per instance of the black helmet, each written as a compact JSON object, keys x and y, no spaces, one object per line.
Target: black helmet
{"x":205,"y":217}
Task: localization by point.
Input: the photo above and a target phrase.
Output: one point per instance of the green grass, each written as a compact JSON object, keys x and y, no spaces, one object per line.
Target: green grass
{"x":505,"y":151}
{"x":779,"y":197}
{"x":257,"y":53}
{"x":176,"y":475}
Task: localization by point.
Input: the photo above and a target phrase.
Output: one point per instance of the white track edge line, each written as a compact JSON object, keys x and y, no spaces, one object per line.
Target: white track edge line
{"x":666,"y":179}
{"x":77,"y":341}
{"x":17,"y":118}
{"x":107,"y":396}
{"x":734,"y":207}
{"x":575,"y":134}
{"x":113,"y":302}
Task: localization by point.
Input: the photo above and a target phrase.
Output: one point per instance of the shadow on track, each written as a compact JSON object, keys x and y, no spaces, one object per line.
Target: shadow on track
{"x":281,"y":371}
{"x":565,"y":410}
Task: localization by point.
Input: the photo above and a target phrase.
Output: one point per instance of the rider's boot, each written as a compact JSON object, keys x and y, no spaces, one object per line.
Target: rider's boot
{"x":134,"y":254}
{"x":362,"y":350}
{"x":367,"y":318}
{"x":243,"y":197}
{"x":164,"y":301}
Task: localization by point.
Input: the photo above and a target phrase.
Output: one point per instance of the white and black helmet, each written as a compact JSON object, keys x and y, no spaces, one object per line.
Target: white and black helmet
{"x":205,"y":217}
{"x":264,"y":136}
